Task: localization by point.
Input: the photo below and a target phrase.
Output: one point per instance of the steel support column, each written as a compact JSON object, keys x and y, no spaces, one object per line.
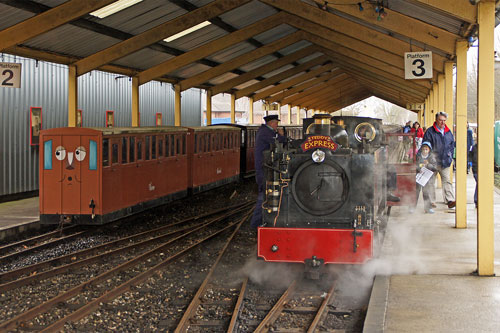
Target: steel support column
{"x":485,"y":121}
{"x":461,"y":136}
{"x":135,"y":101}
{"x":72,"y":95}
{"x":441,"y":100}
{"x":250,"y":113}
{"x":177,"y":105}
{"x":209,"y":107}
{"x":233,"y":109}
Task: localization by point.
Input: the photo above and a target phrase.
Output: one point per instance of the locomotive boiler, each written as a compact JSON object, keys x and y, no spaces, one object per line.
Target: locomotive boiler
{"x":325,"y":194}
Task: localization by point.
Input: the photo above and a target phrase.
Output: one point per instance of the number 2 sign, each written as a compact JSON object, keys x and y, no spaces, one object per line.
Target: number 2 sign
{"x":418,"y":65}
{"x":10,"y":75}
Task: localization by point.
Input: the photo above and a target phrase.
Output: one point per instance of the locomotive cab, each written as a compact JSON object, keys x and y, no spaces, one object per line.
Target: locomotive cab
{"x":323,"y":193}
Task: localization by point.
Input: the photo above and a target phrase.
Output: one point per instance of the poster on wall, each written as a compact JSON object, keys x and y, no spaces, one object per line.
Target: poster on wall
{"x":110,"y":118}
{"x":79,"y":119}
{"x":158,"y":119}
{"x":35,"y":125}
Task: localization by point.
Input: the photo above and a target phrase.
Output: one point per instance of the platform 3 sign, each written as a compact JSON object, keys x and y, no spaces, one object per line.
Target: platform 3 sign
{"x":418,"y":65}
{"x":10,"y":75}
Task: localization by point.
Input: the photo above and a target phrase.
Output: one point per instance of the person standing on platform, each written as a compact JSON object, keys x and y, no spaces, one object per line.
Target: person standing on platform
{"x":266,"y":135}
{"x":474,"y":168}
{"x":443,"y":144}
{"x":470,"y":144}
{"x":419,"y":133}
{"x":426,"y":159}
{"x":407,"y":127}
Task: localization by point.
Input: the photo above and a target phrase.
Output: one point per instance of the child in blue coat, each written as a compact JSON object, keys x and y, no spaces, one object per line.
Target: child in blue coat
{"x":425,"y":158}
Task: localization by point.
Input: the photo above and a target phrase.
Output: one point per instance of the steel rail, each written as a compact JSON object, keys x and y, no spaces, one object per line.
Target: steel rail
{"x":61,"y":269}
{"x":38,"y":238}
{"x":110,"y":295}
{"x":237,"y":307}
{"x":183,"y":324}
{"x":41,"y":246}
{"x":86,"y":252}
{"x":273,"y":314}
{"x":41,"y":308}
{"x":321,"y":309}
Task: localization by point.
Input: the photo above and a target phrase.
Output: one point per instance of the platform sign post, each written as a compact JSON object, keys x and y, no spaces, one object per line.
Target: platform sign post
{"x":10,"y":75}
{"x":418,"y":65}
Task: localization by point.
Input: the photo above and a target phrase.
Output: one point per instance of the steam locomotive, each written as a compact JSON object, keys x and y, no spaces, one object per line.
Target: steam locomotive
{"x":325,"y":194}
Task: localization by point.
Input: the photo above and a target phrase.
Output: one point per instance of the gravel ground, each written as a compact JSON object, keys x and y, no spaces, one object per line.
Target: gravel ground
{"x":158,"y":303}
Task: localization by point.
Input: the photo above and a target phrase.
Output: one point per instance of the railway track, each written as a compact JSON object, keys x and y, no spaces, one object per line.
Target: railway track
{"x":25,"y":247}
{"x":106,"y":280}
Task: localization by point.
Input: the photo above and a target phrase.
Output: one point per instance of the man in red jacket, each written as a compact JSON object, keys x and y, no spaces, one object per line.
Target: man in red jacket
{"x":443,"y":143}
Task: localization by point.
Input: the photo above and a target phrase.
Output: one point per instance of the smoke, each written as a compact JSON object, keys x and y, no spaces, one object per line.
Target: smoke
{"x":400,"y":254}
{"x":274,"y":275}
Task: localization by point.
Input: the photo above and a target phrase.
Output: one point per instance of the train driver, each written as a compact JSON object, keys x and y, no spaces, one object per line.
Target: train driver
{"x":266,"y":135}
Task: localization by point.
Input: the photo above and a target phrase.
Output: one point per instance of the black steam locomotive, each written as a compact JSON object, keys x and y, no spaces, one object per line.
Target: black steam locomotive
{"x":325,"y":194}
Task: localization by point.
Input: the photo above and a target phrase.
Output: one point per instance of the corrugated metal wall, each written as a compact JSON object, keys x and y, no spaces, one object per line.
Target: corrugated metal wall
{"x":45,"y":85}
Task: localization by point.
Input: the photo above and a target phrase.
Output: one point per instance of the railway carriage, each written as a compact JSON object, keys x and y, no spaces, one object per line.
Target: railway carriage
{"x":96,"y":175}
{"x":214,"y":156}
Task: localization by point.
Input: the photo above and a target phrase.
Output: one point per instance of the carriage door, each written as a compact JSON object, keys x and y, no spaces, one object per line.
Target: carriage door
{"x":78,"y":160}
{"x":51,"y":176}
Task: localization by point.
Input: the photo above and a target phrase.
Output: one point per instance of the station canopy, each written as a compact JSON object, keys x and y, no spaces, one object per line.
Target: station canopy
{"x":321,"y":55}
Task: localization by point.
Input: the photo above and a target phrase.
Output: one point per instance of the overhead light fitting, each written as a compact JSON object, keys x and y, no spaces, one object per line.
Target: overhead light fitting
{"x":187,"y":31}
{"x":114,"y":8}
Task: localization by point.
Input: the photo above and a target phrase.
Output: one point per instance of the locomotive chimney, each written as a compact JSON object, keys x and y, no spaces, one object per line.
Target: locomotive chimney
{"x":322,"y":124}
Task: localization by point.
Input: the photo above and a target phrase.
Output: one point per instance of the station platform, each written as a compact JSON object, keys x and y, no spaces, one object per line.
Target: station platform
{"x":18,"y":216}
{"x":425,"y":278}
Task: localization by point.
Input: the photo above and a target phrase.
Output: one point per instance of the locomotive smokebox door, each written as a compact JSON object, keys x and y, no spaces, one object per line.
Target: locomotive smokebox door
{"x":314,"y":268}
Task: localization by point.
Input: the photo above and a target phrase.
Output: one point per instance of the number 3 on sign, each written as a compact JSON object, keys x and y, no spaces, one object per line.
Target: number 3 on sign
{"x":10,"y":75}
{"x":418,"y":65}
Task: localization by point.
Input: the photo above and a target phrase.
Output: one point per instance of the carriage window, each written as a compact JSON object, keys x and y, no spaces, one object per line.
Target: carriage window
{"x":114,"y":153}
{"x":196,"y":143}
{"x":132,"y":150}
{"x":236,"y":140}
{"x":178,"y":145}
{"x":230,"y":140}
{"x":139,"y":150}
{"x":184,"y":144}
{"x":124,"y":149}
{"x":219,"y":141}
{"x":167,"y":146}
{"x":147,"y":146}
{"x":160,"y":147}
{"x":153,"y":147}
{"x":202,"y":143}
{"x":208,"y":142}
{"x":172,"y":145}
{"x":105,"y":152}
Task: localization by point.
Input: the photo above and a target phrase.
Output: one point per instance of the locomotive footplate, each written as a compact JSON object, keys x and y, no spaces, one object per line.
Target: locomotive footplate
{"x":333,"y":246}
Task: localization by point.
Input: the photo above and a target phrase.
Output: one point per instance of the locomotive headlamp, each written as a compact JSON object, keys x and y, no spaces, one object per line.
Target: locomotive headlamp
{"x":318,"y":156}
{"x":274,"y":248}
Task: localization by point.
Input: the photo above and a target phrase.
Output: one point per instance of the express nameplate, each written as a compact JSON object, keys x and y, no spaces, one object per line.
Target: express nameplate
{"x":319,"y":141}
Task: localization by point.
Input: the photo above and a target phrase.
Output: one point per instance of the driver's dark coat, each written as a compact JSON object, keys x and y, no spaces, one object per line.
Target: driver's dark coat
{"x":265,"y":136}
